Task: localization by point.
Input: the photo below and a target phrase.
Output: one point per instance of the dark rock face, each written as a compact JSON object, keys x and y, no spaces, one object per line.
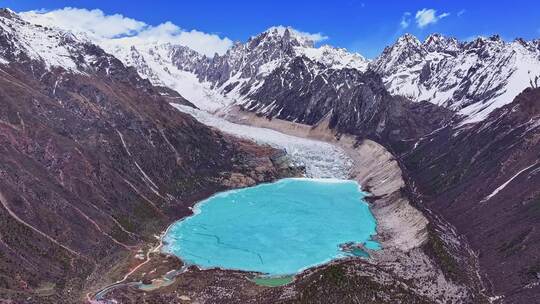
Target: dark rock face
{"x":93,"y":163}
{"x":354,"y":102}
{"x":485,"y":180}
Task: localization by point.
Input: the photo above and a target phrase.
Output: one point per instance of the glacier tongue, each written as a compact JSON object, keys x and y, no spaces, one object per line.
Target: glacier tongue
{"x":322,"y":160}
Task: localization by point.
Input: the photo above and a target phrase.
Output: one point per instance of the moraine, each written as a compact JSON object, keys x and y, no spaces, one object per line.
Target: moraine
{"x":276,"y":229}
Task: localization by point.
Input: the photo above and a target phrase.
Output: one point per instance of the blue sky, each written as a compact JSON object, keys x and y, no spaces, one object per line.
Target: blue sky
{"x":358,"y":25}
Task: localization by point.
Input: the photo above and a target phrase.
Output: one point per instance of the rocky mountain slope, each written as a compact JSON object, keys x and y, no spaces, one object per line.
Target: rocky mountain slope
{"x":280,"y":74}
{"x":444,"y":108}
{"x":212,"y":83}
{"x":485,"y":180}
{"x":470,"y":78}
{"x":93,"y":162}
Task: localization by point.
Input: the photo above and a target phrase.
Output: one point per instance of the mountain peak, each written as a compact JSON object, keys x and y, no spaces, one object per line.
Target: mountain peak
{"x":408,"y":39}
{"x":289,"y":34}
{"x":440,"y":43}
{"x":24,"y":41}
{"x":8,"y":13}
{"x":436,"y":38}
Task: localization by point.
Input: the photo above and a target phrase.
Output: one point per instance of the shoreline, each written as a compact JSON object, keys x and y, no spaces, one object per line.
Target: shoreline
{"x":340,"y":254}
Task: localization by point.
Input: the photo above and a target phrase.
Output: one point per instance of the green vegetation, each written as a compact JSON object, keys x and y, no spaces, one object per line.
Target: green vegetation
{"x":342,"y":284}
{"x":335,"y":274}
{"x":273,"y":281}
{"x":436,"y":248}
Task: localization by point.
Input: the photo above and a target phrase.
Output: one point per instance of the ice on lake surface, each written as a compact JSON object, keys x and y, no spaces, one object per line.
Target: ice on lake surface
{"x":279,"y":228}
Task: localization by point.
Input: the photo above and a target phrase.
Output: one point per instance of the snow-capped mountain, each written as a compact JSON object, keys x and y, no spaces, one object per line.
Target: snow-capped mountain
{"x":212,"y":83}
{"x":242,"y":70}
{"x":159,"y":64}
{"x":52,"y":53}
{"x":262,"y":54}
{"x":471,"y":78}
{"x":24,"y":42}
{"x":280,"y":74}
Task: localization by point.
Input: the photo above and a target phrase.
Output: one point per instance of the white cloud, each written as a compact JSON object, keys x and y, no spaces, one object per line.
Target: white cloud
{"x":118,"y":28}
{"x":167,"y":32}
{"x":315,"y":37}
{"x":405,"y":20}
{"x":425,"y":17}
{"x":82,"y":20}
{"x":461,"y":12}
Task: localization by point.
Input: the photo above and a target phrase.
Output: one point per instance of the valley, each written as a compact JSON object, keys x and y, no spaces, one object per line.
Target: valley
{"x":116,"y":150}
{"x":402,"y":229}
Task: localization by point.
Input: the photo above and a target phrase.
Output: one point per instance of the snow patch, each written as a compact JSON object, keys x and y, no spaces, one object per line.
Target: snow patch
{"x":487,"y":198}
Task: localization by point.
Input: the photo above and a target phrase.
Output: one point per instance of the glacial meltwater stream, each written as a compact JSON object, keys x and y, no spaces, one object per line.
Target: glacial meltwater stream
{"x":277,"y":229}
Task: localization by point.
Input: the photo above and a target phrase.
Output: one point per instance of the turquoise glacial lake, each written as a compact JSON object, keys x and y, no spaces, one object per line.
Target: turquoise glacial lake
{"x":277,"y":229}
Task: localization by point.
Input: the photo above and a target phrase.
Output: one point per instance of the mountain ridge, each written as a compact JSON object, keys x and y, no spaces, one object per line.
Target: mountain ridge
{"x":441,"y":70}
